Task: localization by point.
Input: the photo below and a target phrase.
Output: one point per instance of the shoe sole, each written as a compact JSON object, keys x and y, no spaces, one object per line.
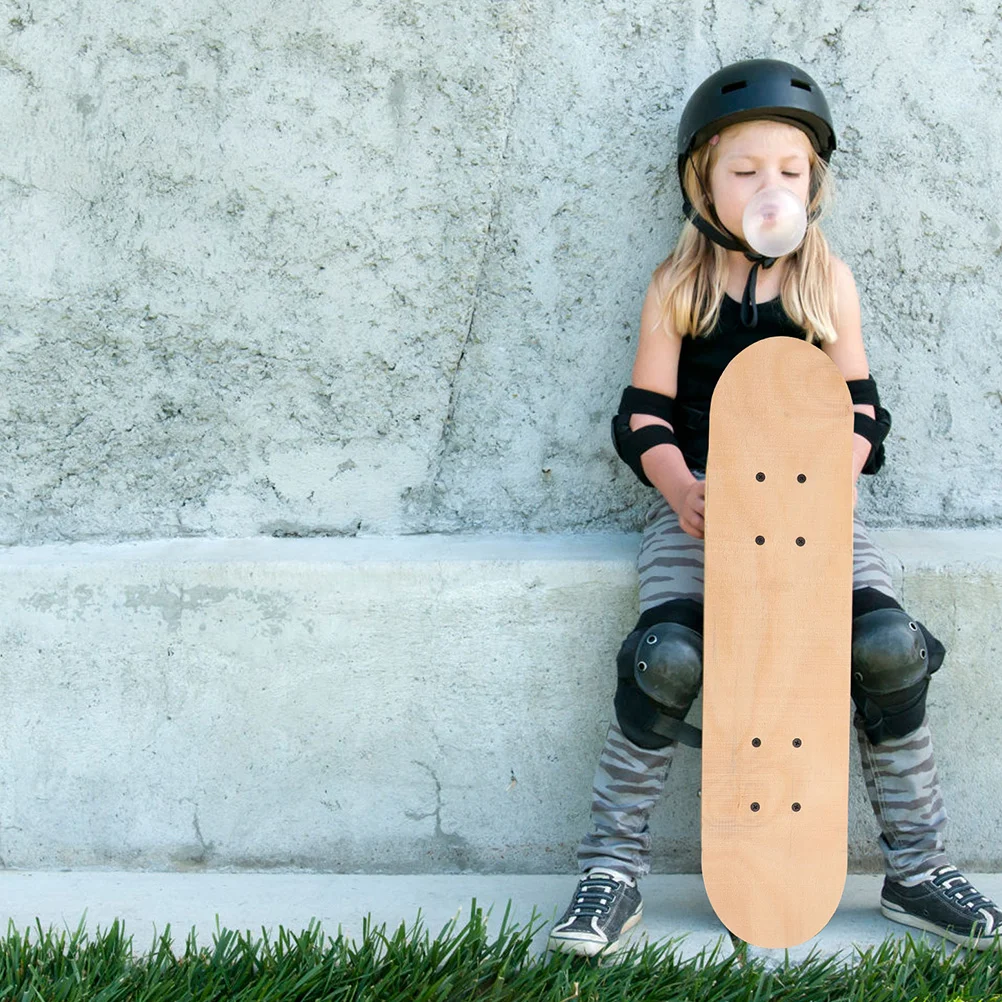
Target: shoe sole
{"x":897,"y":914}
{"x":591,"y":948}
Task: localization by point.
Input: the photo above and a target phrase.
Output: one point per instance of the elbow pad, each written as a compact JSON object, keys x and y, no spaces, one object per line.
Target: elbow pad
{"x":631,"y":445}
{"x":874,"y":430}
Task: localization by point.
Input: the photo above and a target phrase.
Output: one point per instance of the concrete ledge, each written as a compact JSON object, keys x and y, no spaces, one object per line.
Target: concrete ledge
{"x":414,"y":704}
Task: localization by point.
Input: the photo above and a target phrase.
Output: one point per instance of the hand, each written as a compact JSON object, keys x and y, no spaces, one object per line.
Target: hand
{"x":691,"y":507}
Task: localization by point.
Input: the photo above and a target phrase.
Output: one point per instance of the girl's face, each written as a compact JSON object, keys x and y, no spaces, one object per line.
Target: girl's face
{"x":756,"y":155}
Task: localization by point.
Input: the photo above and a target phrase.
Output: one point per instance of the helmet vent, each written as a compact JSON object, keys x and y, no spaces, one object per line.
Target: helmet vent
{"x":737,"y":85}
{"x":802,"y":84}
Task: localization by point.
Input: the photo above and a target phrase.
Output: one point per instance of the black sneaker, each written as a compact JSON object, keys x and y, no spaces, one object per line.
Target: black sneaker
{"x":944,"y":903}
{"x":604,"y":906}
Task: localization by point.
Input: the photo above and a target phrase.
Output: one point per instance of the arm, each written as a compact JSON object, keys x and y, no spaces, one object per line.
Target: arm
{"x":656,"y":369}
{"x":848,"y":352}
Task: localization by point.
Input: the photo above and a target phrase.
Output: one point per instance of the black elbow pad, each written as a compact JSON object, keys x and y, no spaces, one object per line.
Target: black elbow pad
{"x":631,"y":445}
{"x":875,"y":429}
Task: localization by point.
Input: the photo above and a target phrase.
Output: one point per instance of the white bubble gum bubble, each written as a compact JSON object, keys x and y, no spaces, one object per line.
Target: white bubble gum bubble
{"x":774,"y":222}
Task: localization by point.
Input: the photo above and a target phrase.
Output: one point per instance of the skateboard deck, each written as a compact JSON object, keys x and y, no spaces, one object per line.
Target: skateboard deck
{"x":777,"y":641}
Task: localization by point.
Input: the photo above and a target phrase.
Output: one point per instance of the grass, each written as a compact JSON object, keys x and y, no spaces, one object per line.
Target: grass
{"x":462,"y":962}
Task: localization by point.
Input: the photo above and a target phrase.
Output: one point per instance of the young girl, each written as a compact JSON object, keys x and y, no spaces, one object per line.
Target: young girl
{"x":753,"y":125}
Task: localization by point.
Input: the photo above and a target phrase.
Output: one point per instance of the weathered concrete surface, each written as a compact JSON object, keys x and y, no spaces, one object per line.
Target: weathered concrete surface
{"x":282,"y":269}
{"x":411,"y":704}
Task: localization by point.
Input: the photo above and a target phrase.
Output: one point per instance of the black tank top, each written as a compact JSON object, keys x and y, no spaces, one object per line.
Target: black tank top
{"x":703,"y":359}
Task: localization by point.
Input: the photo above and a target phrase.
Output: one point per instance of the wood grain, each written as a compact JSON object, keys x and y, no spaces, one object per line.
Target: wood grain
{"x":777,"y":635}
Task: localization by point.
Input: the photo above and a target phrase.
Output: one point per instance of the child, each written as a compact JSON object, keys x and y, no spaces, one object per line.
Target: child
{"x":753,"y":125}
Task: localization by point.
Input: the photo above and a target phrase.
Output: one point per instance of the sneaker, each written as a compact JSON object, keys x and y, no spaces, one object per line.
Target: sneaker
{"x":944,"y":903}
{"x":604,"y":906}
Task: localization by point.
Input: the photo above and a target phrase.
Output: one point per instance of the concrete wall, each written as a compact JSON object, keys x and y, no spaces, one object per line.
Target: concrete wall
{"x":399,"y":705}
{"x":280,"y":268}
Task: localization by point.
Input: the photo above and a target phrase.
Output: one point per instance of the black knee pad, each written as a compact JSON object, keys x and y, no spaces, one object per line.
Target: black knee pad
{"x":893,"y":657}
{"x":660,"y":669}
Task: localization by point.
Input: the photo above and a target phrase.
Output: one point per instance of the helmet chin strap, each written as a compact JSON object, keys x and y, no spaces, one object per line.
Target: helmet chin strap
{"x":727,"y":240}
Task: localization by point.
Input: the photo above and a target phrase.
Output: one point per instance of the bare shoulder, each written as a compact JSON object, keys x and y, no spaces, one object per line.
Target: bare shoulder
{"x":652,"y":320}
{"x":847,"y":352}
{"x":656,"y":364}
{"x":845,"y":284}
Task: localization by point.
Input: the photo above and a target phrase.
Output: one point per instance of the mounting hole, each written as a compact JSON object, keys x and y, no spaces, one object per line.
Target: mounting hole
{"x":760,"y":477}
{"x":801,"y":540}
{"x":755,"y":806}
{"x":756,"y":742}
{"x":760,"y":540}
{"x":641,"y":666}
{"x":801,"y":479}
{"x":796,"y":807}
{"x":797,"y":742}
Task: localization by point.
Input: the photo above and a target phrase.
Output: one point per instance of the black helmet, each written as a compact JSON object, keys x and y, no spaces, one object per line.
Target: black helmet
{"x":756,"y":88}
{"x":741,"y":92}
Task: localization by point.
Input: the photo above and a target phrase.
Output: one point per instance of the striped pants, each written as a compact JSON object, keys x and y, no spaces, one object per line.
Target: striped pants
{"x":899,"y":773}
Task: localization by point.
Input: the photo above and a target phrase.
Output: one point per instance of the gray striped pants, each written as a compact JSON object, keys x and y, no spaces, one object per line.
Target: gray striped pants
{"x":899,"y":773}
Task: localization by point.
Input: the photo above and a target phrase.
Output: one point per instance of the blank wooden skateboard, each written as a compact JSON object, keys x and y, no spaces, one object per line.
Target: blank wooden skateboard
{"x":776,"y":648}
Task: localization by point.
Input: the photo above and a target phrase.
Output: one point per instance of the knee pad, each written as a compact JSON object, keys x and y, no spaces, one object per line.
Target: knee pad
{"x":660,"y":668}
{"x":893,"y":657}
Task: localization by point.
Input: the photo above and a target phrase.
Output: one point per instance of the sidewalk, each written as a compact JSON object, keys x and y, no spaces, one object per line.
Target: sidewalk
{"x":674,"y":906}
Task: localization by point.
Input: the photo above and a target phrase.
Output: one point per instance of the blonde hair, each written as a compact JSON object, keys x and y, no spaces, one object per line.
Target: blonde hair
{"x":693,"y":278}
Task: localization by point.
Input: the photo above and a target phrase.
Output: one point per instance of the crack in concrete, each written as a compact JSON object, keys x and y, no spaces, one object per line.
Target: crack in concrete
{"x":206,"y":846}
{"x":437,"y":812}
{"x":712,"y":8}
{"x":301,"y":530}
{"x":454,"y":843}
{"x":482,"y":263}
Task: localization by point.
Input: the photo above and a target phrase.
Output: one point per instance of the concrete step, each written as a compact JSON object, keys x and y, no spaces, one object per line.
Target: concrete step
{"x":389,"y":705}
{"x":675,"y":907}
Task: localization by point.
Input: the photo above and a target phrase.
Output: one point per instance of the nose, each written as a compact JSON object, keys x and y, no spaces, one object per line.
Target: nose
{"x":771,"y":177}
